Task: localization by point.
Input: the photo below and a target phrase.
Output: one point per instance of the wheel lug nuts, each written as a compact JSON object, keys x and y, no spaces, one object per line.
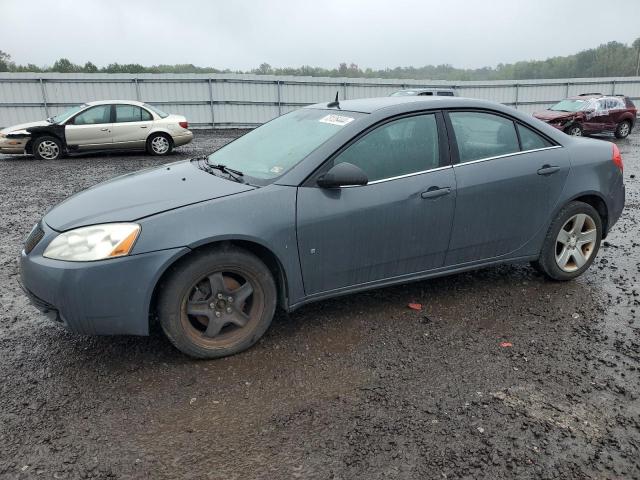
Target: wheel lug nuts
{"x":228,"y":310}
{"x":212,"y":305}
{"x":230,"y":299}
{"x":220,"y":296}
{"x":217,"y":314}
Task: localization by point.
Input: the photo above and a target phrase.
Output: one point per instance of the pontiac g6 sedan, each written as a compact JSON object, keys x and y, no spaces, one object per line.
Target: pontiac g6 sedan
{"x":324,"y":201}
{"x":101,"y":125}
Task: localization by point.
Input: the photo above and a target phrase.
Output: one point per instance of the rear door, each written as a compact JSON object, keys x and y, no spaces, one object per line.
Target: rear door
{"x":509,"y":177}
{"x":131,"y":126}
{"x":90,"y":129}
{"x":397,"y":224}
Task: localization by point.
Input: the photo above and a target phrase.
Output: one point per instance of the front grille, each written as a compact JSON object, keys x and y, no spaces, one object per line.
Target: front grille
{"x":34,"y":237}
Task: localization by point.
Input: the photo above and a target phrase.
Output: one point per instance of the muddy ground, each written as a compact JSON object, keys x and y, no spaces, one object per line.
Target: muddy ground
{"x":360,"y":387}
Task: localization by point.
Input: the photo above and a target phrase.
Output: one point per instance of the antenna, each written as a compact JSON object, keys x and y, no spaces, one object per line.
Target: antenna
{"x":335,"y":103}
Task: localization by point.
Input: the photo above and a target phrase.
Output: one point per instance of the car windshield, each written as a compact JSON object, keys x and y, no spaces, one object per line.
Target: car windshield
{"x":273,"y":148}
{"x":569,"y":105}
{"x":156,"y":110}
{"x":61,"y":117}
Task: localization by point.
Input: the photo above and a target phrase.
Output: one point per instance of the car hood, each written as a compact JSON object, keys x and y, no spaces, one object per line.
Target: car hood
{"x":23,"y":126}
{"x":550,"y":115}
{"x":141,"y":194}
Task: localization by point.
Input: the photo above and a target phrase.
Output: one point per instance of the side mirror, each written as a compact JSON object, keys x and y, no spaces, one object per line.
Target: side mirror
{"x":343,"y":175}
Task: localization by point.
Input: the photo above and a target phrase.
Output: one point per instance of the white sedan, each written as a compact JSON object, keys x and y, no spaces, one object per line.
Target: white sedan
{"x":100,"y":125}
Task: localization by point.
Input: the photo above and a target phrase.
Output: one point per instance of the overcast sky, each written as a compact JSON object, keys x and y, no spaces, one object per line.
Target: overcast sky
{"x":241,"y":34}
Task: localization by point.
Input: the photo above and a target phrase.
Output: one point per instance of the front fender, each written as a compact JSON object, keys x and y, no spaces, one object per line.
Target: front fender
{"x":264,"y":216}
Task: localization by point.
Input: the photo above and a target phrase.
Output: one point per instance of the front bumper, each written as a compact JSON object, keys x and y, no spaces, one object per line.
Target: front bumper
{"x":108,"y":297}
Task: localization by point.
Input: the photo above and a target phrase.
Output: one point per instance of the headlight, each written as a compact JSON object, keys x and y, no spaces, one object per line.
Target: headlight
{"x":96,"y":242}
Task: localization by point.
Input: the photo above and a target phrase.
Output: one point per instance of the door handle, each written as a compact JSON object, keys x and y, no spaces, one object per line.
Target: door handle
{"x":104,"y":129}
{"x":435,"y":192}
{"x":143,"y":126}
{"x":548,"y":169}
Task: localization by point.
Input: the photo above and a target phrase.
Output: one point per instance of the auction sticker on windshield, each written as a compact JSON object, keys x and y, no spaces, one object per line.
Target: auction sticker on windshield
{"x":338,"y":120}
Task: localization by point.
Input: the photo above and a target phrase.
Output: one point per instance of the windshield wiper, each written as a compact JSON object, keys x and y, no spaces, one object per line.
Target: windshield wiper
{"x":231,"y":173}
{"x":235,"y":174}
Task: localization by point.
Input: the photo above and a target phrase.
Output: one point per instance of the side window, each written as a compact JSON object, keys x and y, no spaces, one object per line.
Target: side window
{"x":530,"y":140}
{"x":425,"y":93}
{"x":445,"y":94}
{"x":131,"y":113}
{"x":400,"y":147}
{"x":146,"y":116}
{"x":94,"y":116}
{"x":483,"y":135}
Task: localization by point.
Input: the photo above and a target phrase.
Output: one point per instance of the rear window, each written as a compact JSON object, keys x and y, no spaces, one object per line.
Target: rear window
{"x":156,"y":110}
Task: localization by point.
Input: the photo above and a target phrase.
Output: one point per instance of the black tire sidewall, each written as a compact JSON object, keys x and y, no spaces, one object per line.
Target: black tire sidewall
{"x":39,"y":140}
{"x":547,"y":261}
{"x":155,"y":135}
{"x":199,"y":265}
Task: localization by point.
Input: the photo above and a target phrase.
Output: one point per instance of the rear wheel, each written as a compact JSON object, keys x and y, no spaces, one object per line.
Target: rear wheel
{"x":572,"y":242}
{"x":574,"y":130}
{"x":159,"y":144}
{"x":47,"y":148}
{"x":217,"y":303}
{"x":623,"y":129}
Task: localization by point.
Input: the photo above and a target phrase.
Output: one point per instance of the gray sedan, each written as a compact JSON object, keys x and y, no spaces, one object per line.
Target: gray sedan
{"x":324,"y":201}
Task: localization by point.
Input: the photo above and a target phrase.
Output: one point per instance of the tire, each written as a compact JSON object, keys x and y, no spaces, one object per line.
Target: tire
{"x":575,"y":130}
{"x":159,"y":144}
{"x":47,"y":148}
{"x":623,"y":129}
{"x":565,"y":256}
{"x":211,"y":286}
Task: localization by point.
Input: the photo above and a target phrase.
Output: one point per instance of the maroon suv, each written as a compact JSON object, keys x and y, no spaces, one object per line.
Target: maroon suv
{"x":592,"y":113}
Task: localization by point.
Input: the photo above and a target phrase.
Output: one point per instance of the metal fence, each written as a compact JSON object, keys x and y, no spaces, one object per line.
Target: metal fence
{"x":234,"y":100}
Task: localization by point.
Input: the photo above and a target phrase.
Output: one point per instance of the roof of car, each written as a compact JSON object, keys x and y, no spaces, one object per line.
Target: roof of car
{"x":370,"y":105}
{"x":126,"y":102}
{"x":588,"y":96}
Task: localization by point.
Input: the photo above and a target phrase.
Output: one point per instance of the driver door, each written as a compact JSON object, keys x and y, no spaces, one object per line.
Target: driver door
{"x":90,"y":129}
{"x":398,"y":224}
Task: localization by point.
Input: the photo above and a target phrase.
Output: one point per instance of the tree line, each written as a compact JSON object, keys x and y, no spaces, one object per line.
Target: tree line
{"x":613,"y":59}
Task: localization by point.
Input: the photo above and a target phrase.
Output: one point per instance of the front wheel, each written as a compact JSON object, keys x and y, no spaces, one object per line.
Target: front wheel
{"x":217,"y":303}
{"x":572,"y":242}
{"x":159,"y":144}
{"x":623,"y":129}
{"x":47,"y":148}
{"x":574,"y":130}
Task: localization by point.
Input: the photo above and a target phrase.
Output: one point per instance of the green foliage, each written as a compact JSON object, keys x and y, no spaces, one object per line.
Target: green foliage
{"x":613,"y":59}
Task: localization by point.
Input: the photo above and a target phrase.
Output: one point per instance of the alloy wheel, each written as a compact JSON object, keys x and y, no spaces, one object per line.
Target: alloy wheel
{"x":623,"y":131}
{"x":575,"y":131}
{"x":160,"y":145}
{"x":218,"y":307}
{"x":48,"y":150}
{"x":576,"y":242}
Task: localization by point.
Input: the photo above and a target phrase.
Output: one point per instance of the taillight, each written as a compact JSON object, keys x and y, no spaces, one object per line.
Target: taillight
{"x":617,"y":158}
{"x":184,"y":124}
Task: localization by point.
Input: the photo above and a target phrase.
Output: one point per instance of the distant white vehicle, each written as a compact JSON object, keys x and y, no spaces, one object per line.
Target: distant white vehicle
{"x":100,"y":125}
{"x":435,"y":92}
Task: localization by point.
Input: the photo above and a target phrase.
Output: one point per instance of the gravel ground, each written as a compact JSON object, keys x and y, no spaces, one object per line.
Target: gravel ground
{"x":356,"y":387}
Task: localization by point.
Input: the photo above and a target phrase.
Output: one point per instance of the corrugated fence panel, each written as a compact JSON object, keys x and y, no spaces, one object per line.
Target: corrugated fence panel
{"x":233,"y":100}
{"x":81,"y":91}
{"x":158,"y":92}
{"x":23,"y":92}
